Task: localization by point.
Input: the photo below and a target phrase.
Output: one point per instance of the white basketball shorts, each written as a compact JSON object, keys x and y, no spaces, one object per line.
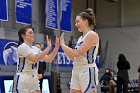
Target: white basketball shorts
{"x":25,"y":83}
{"x":85,"y":79}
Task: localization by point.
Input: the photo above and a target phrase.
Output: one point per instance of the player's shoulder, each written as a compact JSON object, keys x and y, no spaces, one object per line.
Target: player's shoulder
{"x":92,"y":34}
{"x":22,"y":46}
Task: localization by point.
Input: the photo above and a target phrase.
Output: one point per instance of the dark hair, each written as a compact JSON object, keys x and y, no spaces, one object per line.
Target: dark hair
{"x":37,"y":43}
{"x":23,"y":31}
{"x":122,"y":57}
{"x":139,"y":69}
{"x":89,"y":15}
{"x":108,"y":75}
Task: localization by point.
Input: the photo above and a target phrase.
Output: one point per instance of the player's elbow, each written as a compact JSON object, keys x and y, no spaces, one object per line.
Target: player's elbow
{"x":35,"y":60}
{"x":48,"y":60}
{"x":76,"y":54}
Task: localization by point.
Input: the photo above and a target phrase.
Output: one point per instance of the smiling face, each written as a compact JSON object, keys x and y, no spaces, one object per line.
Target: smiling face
{"x":29,"y":35}
{"x":80,"y":23}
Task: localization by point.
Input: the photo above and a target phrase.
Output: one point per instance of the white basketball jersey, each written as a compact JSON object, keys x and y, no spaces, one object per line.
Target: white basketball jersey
{"x":90,"y":56}
{"x":25,"y":65}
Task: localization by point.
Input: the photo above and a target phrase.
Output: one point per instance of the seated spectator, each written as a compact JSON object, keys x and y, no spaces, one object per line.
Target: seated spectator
{"x":107,"y":83}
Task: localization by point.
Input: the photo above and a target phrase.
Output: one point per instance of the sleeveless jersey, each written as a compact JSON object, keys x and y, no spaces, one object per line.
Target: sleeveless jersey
{"x":90,"y":56}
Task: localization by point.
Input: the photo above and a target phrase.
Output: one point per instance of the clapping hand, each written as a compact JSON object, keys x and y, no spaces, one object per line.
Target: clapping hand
{"x":62,"y":42}
{"x":57,"y":44}
{"x":49,"y":44}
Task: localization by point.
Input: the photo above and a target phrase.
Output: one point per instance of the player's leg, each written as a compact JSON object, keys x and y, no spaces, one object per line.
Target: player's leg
{"x":20,"y":84}
{"x":89,"y":80}
{"x":35,"y":85}
{"x":75,"y":91}
{"x":74,"y":85}
{"x":36,"y":91}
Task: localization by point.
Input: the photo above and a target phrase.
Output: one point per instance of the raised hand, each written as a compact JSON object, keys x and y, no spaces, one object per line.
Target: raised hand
{"x":49,"y":44}
{"x":62,"y":39}
{"x":57,"y":44}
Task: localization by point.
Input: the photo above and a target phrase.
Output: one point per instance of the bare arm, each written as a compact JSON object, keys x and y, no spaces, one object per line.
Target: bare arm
{"x":91,"y":40}
{"x":36,"y":58}
{"x":49,"y":58}
{"x":69,"y":51}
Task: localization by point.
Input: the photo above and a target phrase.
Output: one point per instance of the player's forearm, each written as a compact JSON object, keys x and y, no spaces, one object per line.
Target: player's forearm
{"x":51,"y":56}
{"x":42,"y":54}
{"x":69,"y":52}
{"x":70,"y":56}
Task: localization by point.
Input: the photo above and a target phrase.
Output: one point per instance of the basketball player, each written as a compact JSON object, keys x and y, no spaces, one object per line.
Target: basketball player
{"x":26,"y":79}
{"x":85,"y":72}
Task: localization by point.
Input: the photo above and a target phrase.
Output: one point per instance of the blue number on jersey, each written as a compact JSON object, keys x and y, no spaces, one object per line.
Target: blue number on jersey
{"x":34,"y":66}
